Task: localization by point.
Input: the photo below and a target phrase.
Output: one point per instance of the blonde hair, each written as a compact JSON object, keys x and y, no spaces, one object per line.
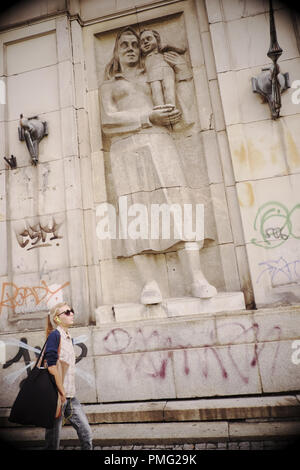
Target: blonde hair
{"x":50,"y":324}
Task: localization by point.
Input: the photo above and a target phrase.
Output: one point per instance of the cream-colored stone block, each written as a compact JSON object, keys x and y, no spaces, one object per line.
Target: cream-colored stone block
{"x":79,"y":291}
{"x":30,"y":54}
{"x":90,"y":236}
{"x":50,"y":188}
{"x":213,"y":371}
{"x":104,"y":314}
{"x":245,"y":54}
{"x":129,"y":377}
{"x":217,"y":107}
{"x":80,"y":86}
{"x":209,"y":56}
{"x":32,"y":93}
{"x":77,"y":42}
{"x":73,"y":195}
{"x":235,"y":215}
{"x":3,"y":178}
{"x":66,"y":84}
{"x":76,"y":237}
{"x":95,"y":294}
{"x":275,"y":273}
{"x":69,"y":131}
{"x":94,"y":120}
{"x":230,"y":269}
{"x":291,"y":142}
{"x":3,"y":126}
{"x":204,"y":105}
{"x":244,"y":274}
{"x":214,"y":12}
{"x":237,"y":329}
{"x":178,"y":307}
{"x":83,"y":132}
{"x":3,"y":249}
{"x":64,"y":46}
{"x":256,"y":198}
{"x":22,"y":189}
{"x":221,"y":213}
{"x":54,"y":256}
{"x":153,"y":335}
{"x":235,"y":9}
{"x":277,"y":371}
{"x":202,"y":16}
{"x":257,"y":150}
{"x":87,"y":180}
{"x":225,"y":158}
{"x":213,"y":159}
{"x":221,"y":46}
{"x":277,"y":324}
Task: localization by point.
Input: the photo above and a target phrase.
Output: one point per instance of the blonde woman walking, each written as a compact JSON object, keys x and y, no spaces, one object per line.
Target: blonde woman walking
{"x":60,"y":358}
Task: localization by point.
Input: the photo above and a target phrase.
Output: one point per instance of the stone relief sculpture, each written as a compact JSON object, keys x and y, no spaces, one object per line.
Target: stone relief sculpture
{"x":32,"y":130}
{"x":139,"y":107}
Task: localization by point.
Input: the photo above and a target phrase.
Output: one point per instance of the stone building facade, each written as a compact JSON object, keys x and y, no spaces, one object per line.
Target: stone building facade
{"x":97,"y":144}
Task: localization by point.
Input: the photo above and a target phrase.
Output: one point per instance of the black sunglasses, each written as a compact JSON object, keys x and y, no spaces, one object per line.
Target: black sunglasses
{"x":66,"y":312}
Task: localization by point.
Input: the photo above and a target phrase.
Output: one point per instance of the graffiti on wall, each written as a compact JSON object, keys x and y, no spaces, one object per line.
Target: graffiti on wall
{"x":279,"y":270}
{"x":38,"y":235}
{"x":23,"y":356}
{"x":275,"y":224}
{"x":210,"y":359}
{"x":13,"y":296}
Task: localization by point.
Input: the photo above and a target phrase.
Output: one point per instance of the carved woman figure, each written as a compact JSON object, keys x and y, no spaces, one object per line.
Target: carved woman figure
{"x":145,"y":163}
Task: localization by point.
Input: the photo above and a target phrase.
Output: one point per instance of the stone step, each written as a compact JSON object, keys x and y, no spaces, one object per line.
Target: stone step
{"x":161,"y":433}
{"x":199,"y":420}
{"x":281,"y":406}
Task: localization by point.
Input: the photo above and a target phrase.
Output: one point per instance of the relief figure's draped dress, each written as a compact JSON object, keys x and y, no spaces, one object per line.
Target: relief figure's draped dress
{"x":145,"y":162}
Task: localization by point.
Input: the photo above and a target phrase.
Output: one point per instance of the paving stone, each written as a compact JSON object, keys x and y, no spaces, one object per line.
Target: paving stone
{"x":200,"y":446}
{"x":211,"y":445}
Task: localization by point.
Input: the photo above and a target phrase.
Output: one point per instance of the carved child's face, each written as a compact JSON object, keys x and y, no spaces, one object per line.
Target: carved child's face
{"x":148,"y":42}
{"x":128,"y":48}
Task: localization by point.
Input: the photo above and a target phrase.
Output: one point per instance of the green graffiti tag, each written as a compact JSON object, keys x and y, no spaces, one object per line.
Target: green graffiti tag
{"x":275,"y":225}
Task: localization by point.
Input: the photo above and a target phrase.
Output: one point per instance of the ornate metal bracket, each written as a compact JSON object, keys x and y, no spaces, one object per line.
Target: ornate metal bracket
{"x":270,"y":83}
{"x":32,"y":130}
{"x":12,"y":161}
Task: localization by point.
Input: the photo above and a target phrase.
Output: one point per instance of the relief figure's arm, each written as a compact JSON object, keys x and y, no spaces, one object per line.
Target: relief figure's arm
{"x":114,"y":121}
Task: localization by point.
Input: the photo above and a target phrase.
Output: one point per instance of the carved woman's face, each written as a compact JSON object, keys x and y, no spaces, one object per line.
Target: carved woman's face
{"x":128,"y":48}
{"x":148,"y":42}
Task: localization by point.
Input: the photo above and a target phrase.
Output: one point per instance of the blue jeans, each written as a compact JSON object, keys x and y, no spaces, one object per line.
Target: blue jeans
{"x":73,"y":411}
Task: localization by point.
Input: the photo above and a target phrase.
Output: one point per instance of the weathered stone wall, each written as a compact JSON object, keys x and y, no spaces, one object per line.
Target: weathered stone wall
{"x":52,"y":61}
{"x":264,"y":153}
{"x":224,"y":354}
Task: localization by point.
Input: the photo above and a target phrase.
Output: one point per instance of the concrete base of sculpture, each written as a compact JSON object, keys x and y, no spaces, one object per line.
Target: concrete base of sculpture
{"x":173,"y":307}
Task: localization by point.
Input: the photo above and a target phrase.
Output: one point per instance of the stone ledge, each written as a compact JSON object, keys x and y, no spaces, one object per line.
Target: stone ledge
{"x":170,"y":308}
{"x":161,"y":433}
{"x":206,"y":410}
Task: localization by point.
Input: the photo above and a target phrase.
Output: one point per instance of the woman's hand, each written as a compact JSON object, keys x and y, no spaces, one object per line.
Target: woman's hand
{"x":63,"y":397}
{"x":164,"y":115}
{"x":176,"y":61}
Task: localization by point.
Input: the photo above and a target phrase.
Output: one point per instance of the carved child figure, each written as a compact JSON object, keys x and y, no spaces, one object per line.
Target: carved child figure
{"x":160,"y":75}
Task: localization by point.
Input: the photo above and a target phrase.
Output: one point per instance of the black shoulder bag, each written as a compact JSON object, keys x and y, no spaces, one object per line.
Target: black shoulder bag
{"x":36,"y":402}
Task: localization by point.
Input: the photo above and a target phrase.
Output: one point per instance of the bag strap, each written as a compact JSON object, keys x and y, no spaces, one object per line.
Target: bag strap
{"x":41,"y":355}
